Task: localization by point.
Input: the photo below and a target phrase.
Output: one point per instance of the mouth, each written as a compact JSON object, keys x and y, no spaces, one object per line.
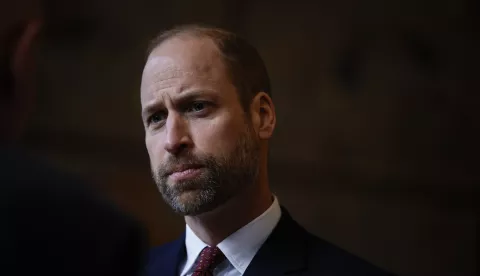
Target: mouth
{"x":184,"y":172}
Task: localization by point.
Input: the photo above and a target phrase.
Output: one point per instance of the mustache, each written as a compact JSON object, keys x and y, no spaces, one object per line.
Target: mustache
{"x":172,"y":163}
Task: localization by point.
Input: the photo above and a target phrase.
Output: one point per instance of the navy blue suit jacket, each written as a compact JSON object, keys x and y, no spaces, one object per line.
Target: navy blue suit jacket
{"x":289,"y":249}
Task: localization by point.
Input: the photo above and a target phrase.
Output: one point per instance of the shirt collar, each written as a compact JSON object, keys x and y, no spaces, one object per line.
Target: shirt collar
{"x":194,"y":246}
{"x":248,"y":239}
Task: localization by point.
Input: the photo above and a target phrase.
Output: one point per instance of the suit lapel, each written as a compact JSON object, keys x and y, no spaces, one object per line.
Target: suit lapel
{"x":165,"y":260}
{"x":284,"y":251}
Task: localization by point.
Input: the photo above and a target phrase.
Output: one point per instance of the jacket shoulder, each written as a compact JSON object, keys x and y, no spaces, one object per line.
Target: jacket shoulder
{"x":333,"y":260}
{"x":165,"y":259}
{"x":295,"y":250}
{"x":161,"y":250}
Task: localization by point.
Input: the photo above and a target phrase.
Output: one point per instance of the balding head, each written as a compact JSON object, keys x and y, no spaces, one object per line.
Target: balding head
{"x":244,"y":65}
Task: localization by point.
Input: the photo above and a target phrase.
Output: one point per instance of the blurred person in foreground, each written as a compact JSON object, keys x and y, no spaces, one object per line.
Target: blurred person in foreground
{"x":52,"y":223}
{"x":208,"y":116}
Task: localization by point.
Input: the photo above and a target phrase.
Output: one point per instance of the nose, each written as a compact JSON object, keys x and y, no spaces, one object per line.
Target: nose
{"x":177,"y":134}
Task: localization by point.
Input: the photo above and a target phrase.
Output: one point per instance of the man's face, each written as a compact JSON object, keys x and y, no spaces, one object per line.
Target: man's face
{"x":202,"y":147}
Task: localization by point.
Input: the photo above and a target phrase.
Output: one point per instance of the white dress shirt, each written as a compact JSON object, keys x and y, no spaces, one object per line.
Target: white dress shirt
{"x":239,"y":248}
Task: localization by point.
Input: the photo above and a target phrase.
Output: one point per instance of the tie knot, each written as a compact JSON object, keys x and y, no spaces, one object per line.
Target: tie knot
{"x":209,"y":258}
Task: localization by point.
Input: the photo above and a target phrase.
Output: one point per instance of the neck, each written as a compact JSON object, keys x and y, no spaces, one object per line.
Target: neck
{"x":214,"y":226}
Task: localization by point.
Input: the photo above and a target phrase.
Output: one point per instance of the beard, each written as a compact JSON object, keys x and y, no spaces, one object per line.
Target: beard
{"x":221,"y":178}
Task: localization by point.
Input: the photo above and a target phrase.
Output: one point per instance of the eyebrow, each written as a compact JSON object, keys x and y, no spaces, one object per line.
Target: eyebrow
{"x":150,"y":108}
{"x":183,"y":97}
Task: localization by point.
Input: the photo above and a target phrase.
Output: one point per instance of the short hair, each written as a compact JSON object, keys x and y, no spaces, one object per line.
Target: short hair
{"x":245,"y":67}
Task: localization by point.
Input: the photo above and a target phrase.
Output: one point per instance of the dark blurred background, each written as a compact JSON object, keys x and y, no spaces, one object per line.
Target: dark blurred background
{"x":372,"y":149}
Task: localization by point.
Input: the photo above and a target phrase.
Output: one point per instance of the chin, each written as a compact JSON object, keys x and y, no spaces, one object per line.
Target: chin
{"x":193,"y":203}
{"x":188,"y":197}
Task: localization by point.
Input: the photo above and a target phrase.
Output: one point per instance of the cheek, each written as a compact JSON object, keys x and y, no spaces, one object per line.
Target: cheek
{"x":216,"y":137}
{"x":154,"y":150}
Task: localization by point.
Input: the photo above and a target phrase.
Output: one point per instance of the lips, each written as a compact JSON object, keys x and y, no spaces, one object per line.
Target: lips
{"x":182,"y":168}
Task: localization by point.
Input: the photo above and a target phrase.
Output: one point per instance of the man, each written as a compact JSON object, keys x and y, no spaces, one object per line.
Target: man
{"x":208,"y":115}
{"x":52,"y":224}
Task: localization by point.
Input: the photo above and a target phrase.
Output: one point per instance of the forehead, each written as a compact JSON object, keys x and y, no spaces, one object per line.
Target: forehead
{"x":183,"y":62}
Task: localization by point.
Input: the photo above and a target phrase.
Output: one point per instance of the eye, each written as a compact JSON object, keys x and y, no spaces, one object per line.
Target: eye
{"x":197,"y":107}
{"x":156,"y":118}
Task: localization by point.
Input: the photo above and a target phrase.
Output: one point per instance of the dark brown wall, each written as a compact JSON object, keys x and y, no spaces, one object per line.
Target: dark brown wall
{"x":371,"y":149}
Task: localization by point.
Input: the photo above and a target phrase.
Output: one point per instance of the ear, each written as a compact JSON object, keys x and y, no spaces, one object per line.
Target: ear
{"x":263,"y":115}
